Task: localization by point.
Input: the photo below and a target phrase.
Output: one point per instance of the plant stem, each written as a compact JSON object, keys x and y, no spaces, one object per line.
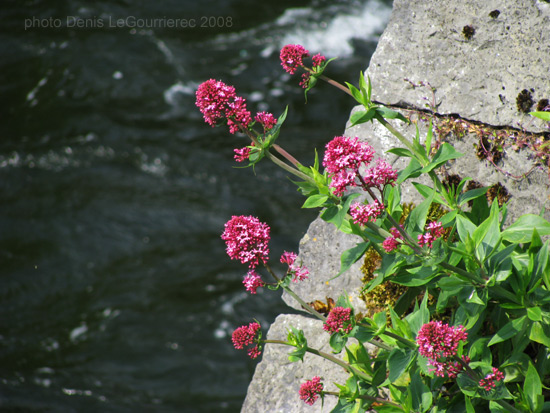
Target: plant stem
{"x":288,"y":156}
{"x":399,"y":136}
{"x":336,"y":84}
{"x":460,"y":271}
{"x":403,"y":340}
{"x":508,"y":406}
{"x":328,"y":357}
{"x":366,"y":397}
{"x":288,"y":168}
{"x":306,"y":307}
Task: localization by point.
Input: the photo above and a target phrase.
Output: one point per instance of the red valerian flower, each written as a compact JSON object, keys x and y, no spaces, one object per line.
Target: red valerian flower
{"x":300,"y":272}
{"x":252,"y":281}
{"x":435,"y":231}
{"x":488,"y":383}
{"x":242,"y":154}
{"x":247,"y":240}
{"x":343,"y":158}
{"x":266,"y":119}
{"x":362,"y":213}
{"x":380,"y":175}
{"x":246,"y":336}
{"x":310,"y":390}
{"x":292,"y":56}
{"x":438,"y":342}
{"x":218,"y":101}
{"x":318,"y":60}
{"x":391,"y":243}
{"x":338,"y":320}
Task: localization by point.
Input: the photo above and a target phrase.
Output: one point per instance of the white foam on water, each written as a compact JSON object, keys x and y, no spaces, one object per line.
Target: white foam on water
{"x":173,"y":94}
{"x":333,"y":38}
{"x":78,"y":332}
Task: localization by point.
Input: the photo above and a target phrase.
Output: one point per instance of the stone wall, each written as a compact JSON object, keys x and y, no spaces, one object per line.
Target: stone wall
{"x":474,"y":59}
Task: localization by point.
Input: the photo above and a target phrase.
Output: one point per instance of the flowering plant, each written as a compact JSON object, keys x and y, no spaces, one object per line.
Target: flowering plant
{"x":470,"y":332}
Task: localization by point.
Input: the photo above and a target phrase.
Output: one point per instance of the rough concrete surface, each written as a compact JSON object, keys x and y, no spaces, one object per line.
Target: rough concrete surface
{"x":476,"y":79}
{"x":276,"y":382}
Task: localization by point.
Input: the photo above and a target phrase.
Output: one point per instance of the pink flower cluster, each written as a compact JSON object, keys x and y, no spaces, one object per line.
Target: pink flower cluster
{"x":363,"y":213}
{"x":218,"y":101}
{"x":252,"y":281}
{"x":246,"y":336}
{"x":292,"y":57}
{"x":380,"y":175}
{"x":488,"y":383}
{"x":345,"y":156}
{"x":438,"y":342}
{"x":337,"y":320}
{"x":310,"y":390}
{"x":391,"y":243}
{"x":435,"y":231}
{"x":247,"y":240}
{"x":266,"y":119}
{"x":299,"y":272}
{"x":242,"y":154}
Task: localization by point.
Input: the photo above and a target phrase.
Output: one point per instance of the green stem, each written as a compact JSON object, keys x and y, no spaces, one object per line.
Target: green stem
{"x":276,"y":160}
{"x":288,"y":156}
{"x":336,"y":84}
{"x":508,"y":406}
{"x":399,"y":136}
{"x":306,"y":306}
{"x":288,"y":168}
{"x":460,"y":271}
{"x":365,"y":397}
{"x":328,"y":357}
{"x":403,"y":340}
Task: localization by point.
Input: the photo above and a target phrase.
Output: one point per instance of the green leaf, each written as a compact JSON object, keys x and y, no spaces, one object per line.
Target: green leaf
{"x":468,"y":404}
{"x":509,"y":330}
{"x":416,"y":276}
{"x":398,"y":361}
{"x":419,"y":316}
{"x":273,"y":134}
{"x":499,"y":265}
{"x":445,"y":153}
{"x":542,"y":269}
{"x":335,"y":214}
{"x":487,"y":235}
{"x":356,"y":93}
{"x":540,"y":333}
{"x":366,"y":87}
{"x":541,"y":115}
{"x":390,"y":114}
{"x":315,"y":201}
{"x":465,"y":228}
{"x":401,"y":152}
{"x":417,"y":218}
{"x":413,"y":170}
{"x":363,"y":334}
{"x":429,"y":137}
{"x":297,"y":339}
{"x":534,"y":313}
{"x":362,"y":116}
{"x":532,"y":389}
{"x":521,"y":231}
{"x":472,"y":194}
{"x":338,"y":342}
{"x":421,"y":395}
{"x":425,"y":191}
{"x":351,"y":256}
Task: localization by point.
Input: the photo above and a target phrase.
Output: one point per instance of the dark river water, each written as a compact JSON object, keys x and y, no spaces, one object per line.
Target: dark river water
{"x":116,"y":294}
